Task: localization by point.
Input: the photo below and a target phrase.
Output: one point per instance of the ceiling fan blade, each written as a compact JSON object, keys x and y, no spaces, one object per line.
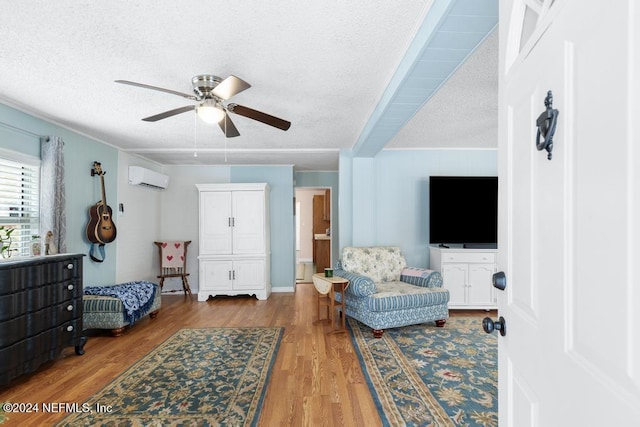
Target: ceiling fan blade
{"x":173,"y":92}
{"x":169,"y":113}
{"x":230,"y":86}
{"x":259,"y":116}
{"x":228,"y":127}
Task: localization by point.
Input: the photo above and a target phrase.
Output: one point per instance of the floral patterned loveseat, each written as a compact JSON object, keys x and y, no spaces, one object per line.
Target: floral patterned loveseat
{"x":384,"y":293}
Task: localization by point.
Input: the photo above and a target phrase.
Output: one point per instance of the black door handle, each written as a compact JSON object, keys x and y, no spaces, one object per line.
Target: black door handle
{"x":499,"y":280}
{"x":499,"y":325}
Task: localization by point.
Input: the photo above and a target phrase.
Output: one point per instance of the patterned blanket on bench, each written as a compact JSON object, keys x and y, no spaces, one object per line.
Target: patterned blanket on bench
{"x":137,"y":297}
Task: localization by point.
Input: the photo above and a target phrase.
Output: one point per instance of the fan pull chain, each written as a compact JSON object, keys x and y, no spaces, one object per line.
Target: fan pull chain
{"x":195,"y":135}
{"x":225,"y":137}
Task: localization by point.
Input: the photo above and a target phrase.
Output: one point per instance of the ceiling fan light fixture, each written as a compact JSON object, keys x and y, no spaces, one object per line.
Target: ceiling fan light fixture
{"x":210,"y":113}
{"x":209,"y":92}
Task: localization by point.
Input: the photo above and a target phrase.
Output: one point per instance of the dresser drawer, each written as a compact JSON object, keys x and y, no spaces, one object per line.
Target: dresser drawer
{"x":11,"y":330}
{"x":469,"y":257}
{"x":67,"y":311}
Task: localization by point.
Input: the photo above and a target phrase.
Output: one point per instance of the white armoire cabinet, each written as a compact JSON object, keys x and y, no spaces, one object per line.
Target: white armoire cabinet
{"x":467,"y":274}
{"x":234,"y":240}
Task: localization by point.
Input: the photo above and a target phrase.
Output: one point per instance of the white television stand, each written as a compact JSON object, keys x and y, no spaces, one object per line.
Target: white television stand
{"x":467,"y":274}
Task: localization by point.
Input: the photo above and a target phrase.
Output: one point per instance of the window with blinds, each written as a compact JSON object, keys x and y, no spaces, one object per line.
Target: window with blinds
{"x":19,"y":201}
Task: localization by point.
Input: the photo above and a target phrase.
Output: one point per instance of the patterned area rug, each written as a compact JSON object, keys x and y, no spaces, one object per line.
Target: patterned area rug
{"x":203,"y":377}
{"x":423,"y":375}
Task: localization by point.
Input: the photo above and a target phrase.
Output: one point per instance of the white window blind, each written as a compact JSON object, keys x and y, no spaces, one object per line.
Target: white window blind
{"x":20,"y":199}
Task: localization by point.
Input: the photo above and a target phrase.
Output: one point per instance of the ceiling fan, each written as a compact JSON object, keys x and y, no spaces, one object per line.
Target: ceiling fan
{"x":210,"y":91}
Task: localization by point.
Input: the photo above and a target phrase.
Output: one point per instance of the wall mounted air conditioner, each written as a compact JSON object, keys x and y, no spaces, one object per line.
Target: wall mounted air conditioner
{"x":147,"y":178}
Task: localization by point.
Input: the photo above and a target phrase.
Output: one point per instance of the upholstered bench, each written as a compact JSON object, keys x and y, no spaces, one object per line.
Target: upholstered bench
{"x":108,"y":312}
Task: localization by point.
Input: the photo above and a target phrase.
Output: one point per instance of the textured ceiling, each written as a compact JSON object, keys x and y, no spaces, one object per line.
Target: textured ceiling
{"x":321,"y":65}
{"x":464,"y":112}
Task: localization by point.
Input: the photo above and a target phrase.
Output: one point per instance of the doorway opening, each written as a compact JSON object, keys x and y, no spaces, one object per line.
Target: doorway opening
{"x":313,"y":231}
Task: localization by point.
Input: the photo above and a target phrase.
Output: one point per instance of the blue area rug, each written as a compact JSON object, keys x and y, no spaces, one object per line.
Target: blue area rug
{"x":197,"y":377}
{"x":423,"y":375}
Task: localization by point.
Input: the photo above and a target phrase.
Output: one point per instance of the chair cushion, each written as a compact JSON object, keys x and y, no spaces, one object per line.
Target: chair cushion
{"x":380,"y":263}
{"x":102,"y":304}
{"x":400,"y":295}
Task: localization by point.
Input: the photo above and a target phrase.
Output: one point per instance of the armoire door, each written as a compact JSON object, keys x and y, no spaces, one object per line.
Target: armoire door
{"x":216,"y":223}
{"x":248,"y":222}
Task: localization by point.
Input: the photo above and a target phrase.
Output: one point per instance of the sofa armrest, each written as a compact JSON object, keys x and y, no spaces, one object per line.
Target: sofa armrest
{"x":359,"y":285}
{"x":421,"y":277}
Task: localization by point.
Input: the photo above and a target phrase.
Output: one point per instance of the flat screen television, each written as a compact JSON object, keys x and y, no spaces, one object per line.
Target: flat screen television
{"x":463,"y":210}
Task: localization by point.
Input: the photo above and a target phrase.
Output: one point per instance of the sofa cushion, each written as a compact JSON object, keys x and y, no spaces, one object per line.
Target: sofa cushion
{"x":380,"y":263}
{"x":400,"y":295}
{"x":422,"y":277}
{"x":360,"y":286}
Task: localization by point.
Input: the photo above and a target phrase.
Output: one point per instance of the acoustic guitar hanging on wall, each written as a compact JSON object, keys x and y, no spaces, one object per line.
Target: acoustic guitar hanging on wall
{"x":100,"y":229}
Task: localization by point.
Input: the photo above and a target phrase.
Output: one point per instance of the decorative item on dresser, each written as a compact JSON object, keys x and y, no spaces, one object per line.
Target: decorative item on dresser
{"x":234,"y":240}
{"x":40,"y":312}
{"x":6,"y":241}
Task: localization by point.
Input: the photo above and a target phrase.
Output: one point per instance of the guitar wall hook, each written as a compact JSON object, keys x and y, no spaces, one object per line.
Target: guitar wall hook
{"x":546,"y":123}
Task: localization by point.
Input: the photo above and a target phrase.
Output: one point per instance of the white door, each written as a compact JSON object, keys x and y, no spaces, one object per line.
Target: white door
{"x":455,"y":278}
{"x":216,"y":275}
{"x":248,"y":222}
{"x":248,"y":274}
{"x":215,"y":223}
{"x":570,"y":226}
{"x":480,"y":291}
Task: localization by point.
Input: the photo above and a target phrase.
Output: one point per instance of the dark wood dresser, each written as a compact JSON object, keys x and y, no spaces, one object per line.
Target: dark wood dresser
{"x":40,"y":311}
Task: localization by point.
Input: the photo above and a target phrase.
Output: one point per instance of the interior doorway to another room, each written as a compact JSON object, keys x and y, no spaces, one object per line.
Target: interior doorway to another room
{"x":313,"y":232}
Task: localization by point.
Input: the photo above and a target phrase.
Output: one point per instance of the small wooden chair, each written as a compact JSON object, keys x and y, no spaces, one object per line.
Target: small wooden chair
{"x":173,"y":263}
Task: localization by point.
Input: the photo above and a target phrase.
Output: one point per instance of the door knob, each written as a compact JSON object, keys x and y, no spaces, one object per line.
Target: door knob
{"x":499,"y":325}
{"x":499,"y":280}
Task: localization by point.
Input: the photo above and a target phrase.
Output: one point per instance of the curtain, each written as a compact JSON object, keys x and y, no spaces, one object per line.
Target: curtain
{"x":52,"y":191}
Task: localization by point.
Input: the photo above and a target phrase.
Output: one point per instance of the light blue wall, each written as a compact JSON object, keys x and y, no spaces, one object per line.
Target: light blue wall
{"x":282,"y":230}
{"x":390,"y":195}
{"x":317,"y":179}
{"x":15,"y":140}
{"x":20,"y":131}
{"x":345,"y":201}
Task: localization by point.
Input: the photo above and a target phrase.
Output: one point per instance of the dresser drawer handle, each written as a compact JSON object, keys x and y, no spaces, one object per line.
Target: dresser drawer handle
{"x":70,"y":307}
{"x":69,"y":266}
{"x":70,"y":287}
{"x":70,"y":328}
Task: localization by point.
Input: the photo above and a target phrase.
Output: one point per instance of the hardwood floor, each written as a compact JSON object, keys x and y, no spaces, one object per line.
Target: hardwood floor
{"x":316,"y":378}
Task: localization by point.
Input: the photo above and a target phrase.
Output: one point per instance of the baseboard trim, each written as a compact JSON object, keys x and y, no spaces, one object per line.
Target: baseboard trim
{"x":282,"y":289}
